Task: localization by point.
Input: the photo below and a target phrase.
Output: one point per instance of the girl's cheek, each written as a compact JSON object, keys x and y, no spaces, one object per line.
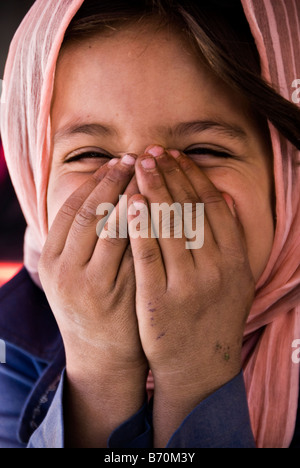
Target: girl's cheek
{"x":251,"y":205}
{"x":59,"y":190}
{"x":258,"y":225}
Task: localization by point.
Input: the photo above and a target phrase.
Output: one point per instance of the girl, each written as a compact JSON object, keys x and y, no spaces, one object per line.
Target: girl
{"x":164,"y":102}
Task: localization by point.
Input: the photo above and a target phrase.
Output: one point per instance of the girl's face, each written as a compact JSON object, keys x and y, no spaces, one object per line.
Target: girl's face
{"x":121,"y":93}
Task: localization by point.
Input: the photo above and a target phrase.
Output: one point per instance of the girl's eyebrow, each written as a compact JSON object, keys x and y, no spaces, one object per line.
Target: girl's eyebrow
{"x":92,"y":129}
{"x":200,"y":126}
{"x":181,"y":129}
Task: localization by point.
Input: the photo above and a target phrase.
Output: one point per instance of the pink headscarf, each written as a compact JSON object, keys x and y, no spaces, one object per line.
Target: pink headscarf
{"x":272,"y":379}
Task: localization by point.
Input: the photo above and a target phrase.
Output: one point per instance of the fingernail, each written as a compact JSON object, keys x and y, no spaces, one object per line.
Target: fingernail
{"x":156,"y":151}
{"x":128,"y":160}
{"x":230,"y":202}
{"x":148,"y":163}
{"x":174,"y":153}
{"x":113,"y":162}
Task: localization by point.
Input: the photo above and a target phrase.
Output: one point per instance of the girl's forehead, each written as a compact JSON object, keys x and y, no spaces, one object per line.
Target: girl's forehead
{"x":127,"y":90}
{"x":135,"y":43}
{"x":138,"y":71}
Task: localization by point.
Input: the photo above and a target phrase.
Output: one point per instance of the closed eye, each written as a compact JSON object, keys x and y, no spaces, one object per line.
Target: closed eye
{"x":88,"y":155}
{"x":208,"y":151}
{"x":189,"y":152}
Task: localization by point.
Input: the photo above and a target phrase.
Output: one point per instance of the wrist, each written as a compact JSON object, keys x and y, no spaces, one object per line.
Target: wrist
{"x":174,"y":403}
{"x":194,"y":381}
{"x":88,"y":358}
{"x":97,"y":404}
{"x":107,"y":375}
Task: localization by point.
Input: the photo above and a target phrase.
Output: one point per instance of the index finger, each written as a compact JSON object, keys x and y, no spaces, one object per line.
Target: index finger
{"x":223,"y":222}
{"x":64,"y":219}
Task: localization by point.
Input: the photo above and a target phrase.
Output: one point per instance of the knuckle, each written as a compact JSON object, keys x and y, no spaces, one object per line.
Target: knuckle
{"x":112,"y":234}
{"x":85,"y":216}
{"x":187,"y":197}
{"x":155,"y":181}
{"x":210,"y":197}
{"x":172,"y":169}
{"x":109,"y":180}
{"x":148,"y":257}
{"x":69,"y":209}
{"x":115,"y":175}
{"x":187,"y":164}
{"x":191,"y":208}
{"x":110,"y":241}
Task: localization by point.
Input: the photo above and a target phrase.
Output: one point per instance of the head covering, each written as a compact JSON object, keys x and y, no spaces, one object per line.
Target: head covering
{"x":271,"y":377}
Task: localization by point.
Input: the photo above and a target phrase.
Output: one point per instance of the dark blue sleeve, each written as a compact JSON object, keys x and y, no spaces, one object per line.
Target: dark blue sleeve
{"x":50,"y":434}
{"x":17,"y":378}
{"x":220,"y":421}
{"x":134,"y":433}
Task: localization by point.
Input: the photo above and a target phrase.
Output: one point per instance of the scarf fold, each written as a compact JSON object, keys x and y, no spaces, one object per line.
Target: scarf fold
{"x":271,"y":377}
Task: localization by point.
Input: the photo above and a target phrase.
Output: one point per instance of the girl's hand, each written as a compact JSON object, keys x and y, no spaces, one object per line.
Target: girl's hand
{"x":192,"y":305}
{"x":90,"y":285}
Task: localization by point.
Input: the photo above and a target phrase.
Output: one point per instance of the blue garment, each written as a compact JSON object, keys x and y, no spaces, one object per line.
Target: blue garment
{"x":32,"y":386}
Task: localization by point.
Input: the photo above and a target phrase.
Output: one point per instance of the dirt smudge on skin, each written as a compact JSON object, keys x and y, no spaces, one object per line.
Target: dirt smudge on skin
{"x":161,"y":336}
{"x":225,"y":349}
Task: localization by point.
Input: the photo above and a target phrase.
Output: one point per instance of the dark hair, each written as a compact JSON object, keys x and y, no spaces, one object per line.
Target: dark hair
{"x":220,"y":31}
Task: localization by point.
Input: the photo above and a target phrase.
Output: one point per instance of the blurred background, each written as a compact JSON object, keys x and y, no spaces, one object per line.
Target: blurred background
{"x":12,"y":223}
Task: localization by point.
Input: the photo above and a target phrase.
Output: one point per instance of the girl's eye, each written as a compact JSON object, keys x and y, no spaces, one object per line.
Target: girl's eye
{"x":189,"y":152}
{"x":207,"y":152}
{"x":88,"y":155}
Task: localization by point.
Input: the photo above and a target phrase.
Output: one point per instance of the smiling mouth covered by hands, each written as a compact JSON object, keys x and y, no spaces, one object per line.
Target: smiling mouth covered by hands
{"x":191,"y":336}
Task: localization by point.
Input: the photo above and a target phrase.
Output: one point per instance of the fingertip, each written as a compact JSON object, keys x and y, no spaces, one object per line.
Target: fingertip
{"x":148,"y":164}
{"x":175,"y":153}
{"x":230,"y":203}
{"x":113,"y":162}
{"x":155,"y":150}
